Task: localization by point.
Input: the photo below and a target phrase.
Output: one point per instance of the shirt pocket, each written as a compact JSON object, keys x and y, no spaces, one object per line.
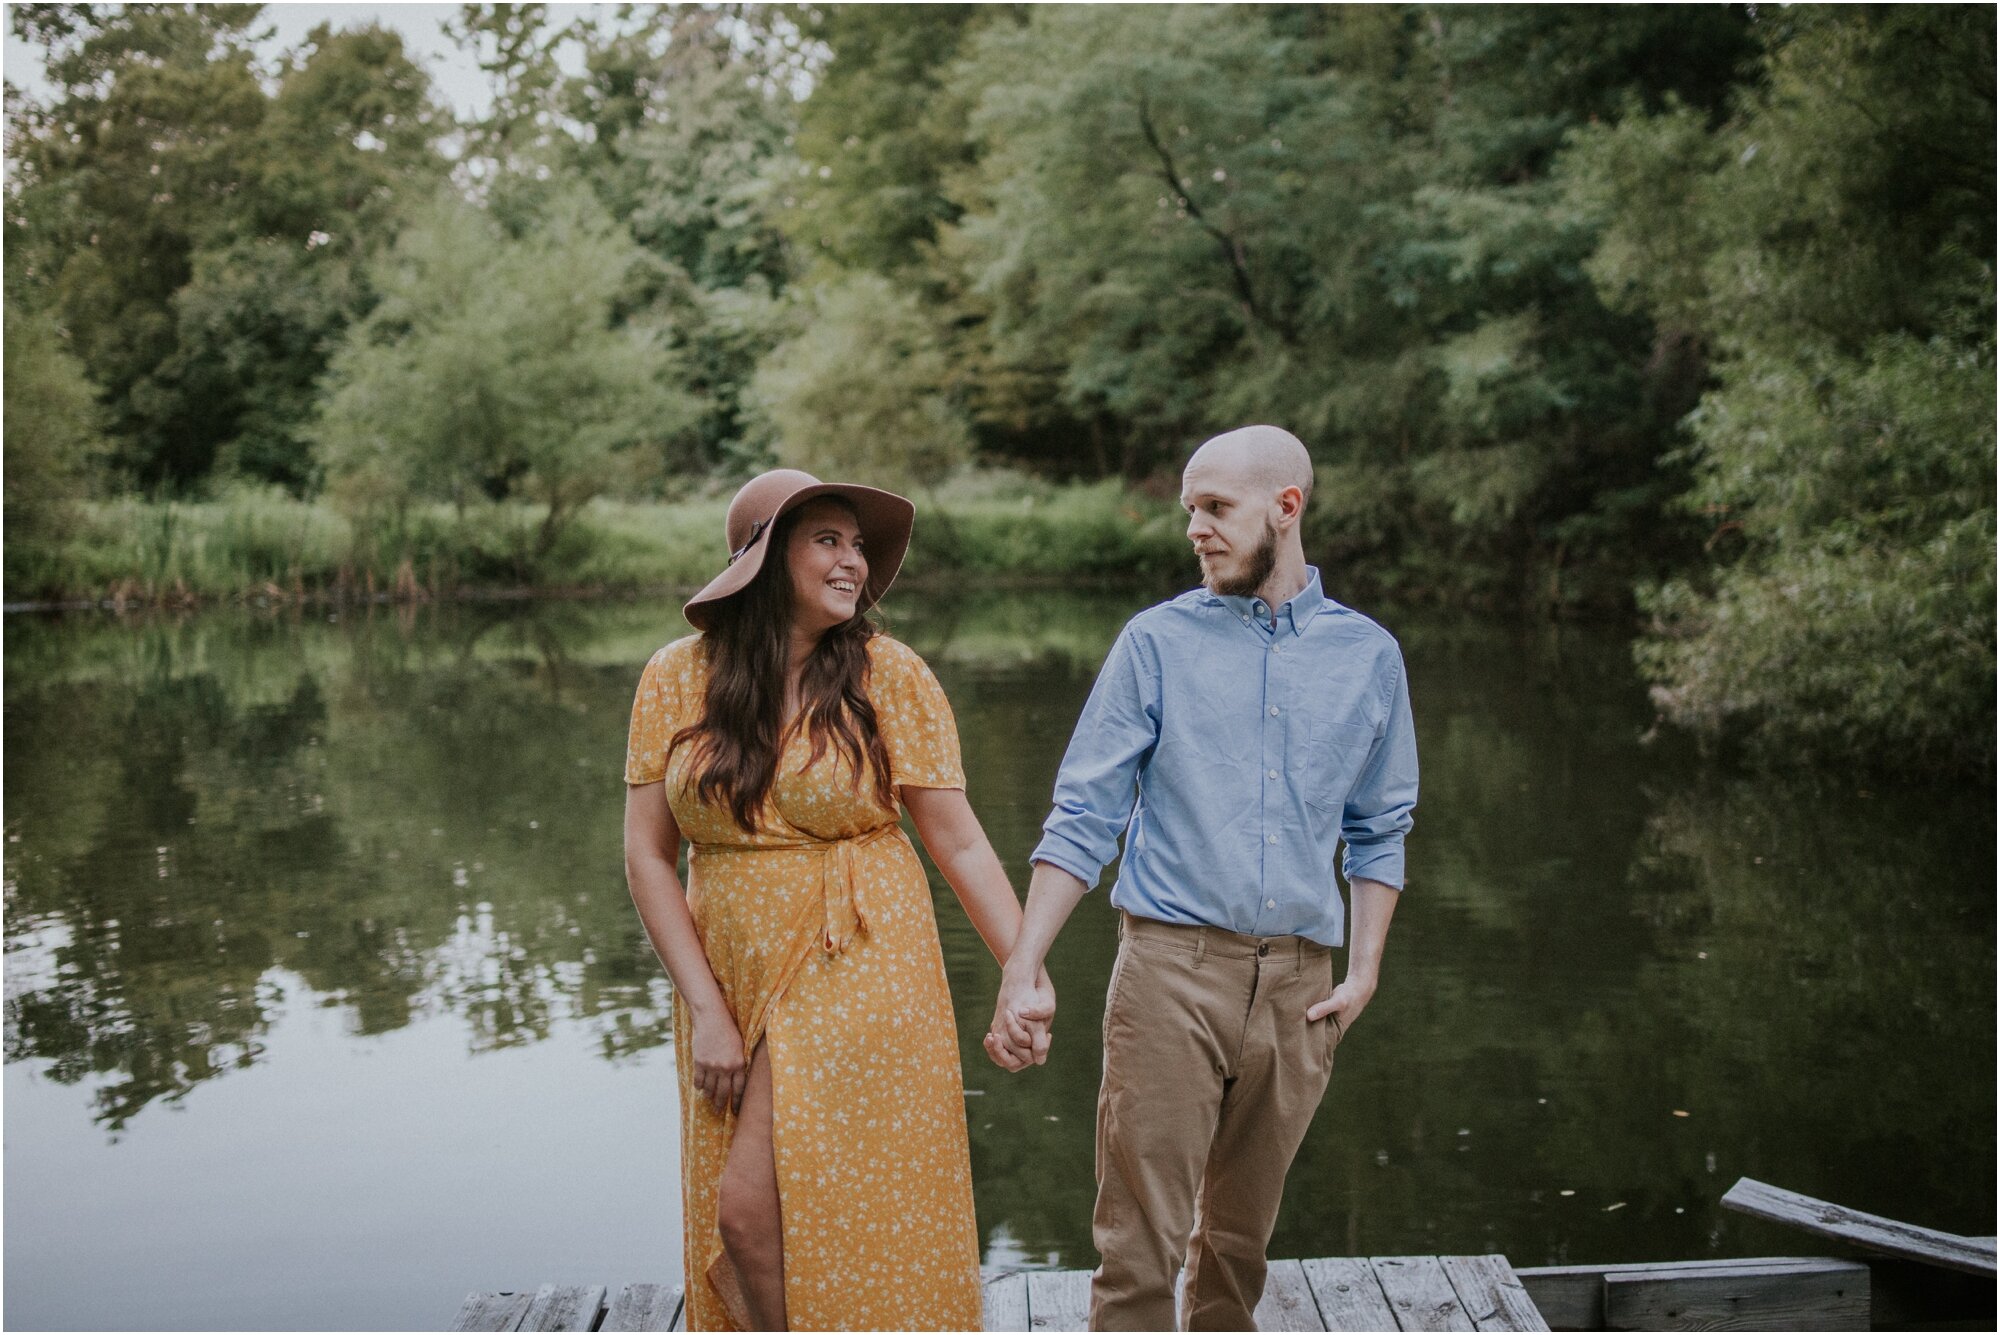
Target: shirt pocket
{"x":1335,"y":755}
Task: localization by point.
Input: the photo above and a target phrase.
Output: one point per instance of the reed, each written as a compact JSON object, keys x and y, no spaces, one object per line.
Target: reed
{"x":251,"y":545}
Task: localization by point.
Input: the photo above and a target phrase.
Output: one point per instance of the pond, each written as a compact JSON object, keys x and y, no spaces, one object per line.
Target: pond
{"x":325,"y":1002}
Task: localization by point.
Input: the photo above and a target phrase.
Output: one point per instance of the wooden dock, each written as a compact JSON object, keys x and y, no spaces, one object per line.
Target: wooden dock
{"x":1914,"y":1278}
{"x":1465,"y":1293}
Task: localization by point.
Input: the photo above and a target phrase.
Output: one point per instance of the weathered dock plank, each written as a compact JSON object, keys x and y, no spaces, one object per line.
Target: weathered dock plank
{"x":1828,"y":1295}
{"x":1349,"y":1295}
{"x":1892,"y":1237}
{"x":492,"y":1311}
{"x":1005,"y":1300}
{"x":1491,"y":1293}
{"x":1419,"y":1293}
{"x":1332,"y":1293}
{"x":1571,"y":1297}
{"x":638,"y":1307}
{"x":564,"y":1307}
{"x":1287,"y":1303}
{"x":1058,"y":1299}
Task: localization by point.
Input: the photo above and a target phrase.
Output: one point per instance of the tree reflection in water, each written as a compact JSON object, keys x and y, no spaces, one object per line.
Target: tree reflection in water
{"x":416,"y":812}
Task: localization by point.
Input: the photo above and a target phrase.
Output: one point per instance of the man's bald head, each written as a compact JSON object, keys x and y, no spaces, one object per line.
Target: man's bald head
{"x":1262,"y":459}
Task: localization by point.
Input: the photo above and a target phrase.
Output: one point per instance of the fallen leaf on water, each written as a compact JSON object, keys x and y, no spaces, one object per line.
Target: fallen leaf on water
{"x":1617,"y":1206}
{"x":1566,"y":1193}
{"x":1681,"y":1112}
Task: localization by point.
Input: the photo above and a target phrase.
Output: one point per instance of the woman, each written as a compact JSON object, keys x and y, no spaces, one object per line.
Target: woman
{"x":825,"y":1176}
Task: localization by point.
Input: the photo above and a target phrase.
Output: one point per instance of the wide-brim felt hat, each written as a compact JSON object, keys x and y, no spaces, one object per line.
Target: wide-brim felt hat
{"x":884,"y":517}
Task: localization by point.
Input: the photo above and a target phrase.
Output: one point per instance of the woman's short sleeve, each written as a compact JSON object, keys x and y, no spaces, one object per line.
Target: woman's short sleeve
{"x":917,"y":726}
{"x":655,"y":718}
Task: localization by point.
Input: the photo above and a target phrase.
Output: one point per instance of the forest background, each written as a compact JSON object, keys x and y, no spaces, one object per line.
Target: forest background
{"x":1677,"y":312}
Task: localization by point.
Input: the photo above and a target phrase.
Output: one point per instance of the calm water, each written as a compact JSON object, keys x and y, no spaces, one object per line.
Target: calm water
{"x":325,"y":1002}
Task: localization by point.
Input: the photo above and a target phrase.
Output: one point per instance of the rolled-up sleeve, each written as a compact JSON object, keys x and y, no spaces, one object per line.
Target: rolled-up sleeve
{"x":1095,"y":787}
{"x":1379,"y":807}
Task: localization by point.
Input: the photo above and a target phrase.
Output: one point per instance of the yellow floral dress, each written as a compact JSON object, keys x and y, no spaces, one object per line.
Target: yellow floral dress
{"x":819,"y":929}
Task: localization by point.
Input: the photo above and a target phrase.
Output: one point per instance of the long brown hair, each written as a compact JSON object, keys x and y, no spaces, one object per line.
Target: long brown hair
{"x":748,"y":646}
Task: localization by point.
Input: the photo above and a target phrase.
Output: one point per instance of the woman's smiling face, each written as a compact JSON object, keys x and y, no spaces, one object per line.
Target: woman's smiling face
{"x":827,"y":565}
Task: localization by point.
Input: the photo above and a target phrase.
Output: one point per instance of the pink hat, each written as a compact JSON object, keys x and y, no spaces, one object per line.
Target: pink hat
{"x":885,"y":520}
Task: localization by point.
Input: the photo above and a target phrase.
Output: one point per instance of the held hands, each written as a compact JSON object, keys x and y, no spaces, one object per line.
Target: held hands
{"x":1023,"y":1017}
{"x":720,"y":1068}
{"x":1344,"y":1005}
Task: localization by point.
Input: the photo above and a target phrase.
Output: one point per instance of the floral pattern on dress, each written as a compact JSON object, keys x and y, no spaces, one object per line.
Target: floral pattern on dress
{"x":868,"y":1119}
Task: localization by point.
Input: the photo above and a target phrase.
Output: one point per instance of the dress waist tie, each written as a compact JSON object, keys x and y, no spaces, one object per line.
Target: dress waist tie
{"x":844,"y":919}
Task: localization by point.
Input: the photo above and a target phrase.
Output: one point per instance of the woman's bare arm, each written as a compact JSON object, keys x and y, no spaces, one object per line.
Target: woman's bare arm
{"x":955,"y":841}
{"x":652,"y":849}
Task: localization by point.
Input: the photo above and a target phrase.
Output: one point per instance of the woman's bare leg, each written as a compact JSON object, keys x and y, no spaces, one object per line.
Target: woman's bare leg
{"x":747,"y":1211}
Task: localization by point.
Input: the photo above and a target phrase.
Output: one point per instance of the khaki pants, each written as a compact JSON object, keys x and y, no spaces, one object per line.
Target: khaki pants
{"x":1211,"y":1076}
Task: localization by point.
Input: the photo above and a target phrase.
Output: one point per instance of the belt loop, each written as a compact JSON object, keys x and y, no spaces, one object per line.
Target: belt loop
{"x":1200,"y":945}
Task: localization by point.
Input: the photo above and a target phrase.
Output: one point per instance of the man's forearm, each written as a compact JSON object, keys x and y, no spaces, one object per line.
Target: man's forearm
{"x":1052,"y":896}
{"x":1373,"y":904}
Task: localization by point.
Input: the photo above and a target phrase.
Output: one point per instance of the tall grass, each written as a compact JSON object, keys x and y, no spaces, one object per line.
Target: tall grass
{"x":255,"y":544}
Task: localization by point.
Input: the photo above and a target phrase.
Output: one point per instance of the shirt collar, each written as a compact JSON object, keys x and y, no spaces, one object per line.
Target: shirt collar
{"x":1296,"y":611}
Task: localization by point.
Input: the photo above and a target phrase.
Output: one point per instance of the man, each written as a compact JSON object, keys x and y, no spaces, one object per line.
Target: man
{"x":1234,"y":734}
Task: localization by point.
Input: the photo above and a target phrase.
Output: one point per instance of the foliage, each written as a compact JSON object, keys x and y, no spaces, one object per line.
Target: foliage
{"x":862,"y":391}
{"x":196,"y":231}
{"x":1342,"y":220}
{"x":1834,"y":244}
{"x":262,"y":544}
{"x":1576,"y":306}
{"x":490,"y":368}
{"x":882,"y":134}
{"x":54,"y":437}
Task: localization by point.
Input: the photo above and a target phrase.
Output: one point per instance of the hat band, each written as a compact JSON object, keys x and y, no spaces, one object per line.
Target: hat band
{"x":756,"y":530}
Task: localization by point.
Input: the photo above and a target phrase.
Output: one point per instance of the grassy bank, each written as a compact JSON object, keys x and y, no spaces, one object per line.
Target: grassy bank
{"x":248,"y":546}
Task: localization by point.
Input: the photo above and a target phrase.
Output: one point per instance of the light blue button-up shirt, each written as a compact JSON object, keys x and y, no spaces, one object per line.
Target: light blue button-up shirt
{"x":1234,"y":755}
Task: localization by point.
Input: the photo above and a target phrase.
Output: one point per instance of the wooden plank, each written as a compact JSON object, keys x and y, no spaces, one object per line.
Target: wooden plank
{"x":564,"y":1307}
{"x":1287,"y":1303}
{"x":1491,"y":1294}
{"x":643,"y":1307}
{"x":1571,"y":1297}
{"x":1005,"y":1299}
{"x":1872,"y":1231}
{"x":1058,"y":1299}
{"x":1349,"y":1295}
{"x":1418,"y":1293}
{"x":1830,"y":1296}
{"x":492,"y":1311}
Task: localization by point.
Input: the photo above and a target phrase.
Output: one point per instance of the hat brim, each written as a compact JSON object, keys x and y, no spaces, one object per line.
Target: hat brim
{"x":885,"y":519}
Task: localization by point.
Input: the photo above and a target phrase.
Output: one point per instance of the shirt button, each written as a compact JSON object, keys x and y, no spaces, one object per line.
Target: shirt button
{"x":1270,"y":838}
{"x":1246,"y":621}
{"x":1277,"y":648}
{"x":1274,"y":711}
{"x":1270,"y":774}
{"x":1270,"y":903}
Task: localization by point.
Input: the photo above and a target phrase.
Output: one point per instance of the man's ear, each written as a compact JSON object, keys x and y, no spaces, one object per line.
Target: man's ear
{"x":1291,"y":505}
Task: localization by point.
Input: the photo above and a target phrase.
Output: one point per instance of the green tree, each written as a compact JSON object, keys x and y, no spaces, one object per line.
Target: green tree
{"x":492,"y":368}
{"x":1342,"y":219}
{"x":883,"y":133}
{"x":1832,"y":247}
{"x":196,"y":232}
{"x":863,"y":390}
{"x":54,"y":437}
